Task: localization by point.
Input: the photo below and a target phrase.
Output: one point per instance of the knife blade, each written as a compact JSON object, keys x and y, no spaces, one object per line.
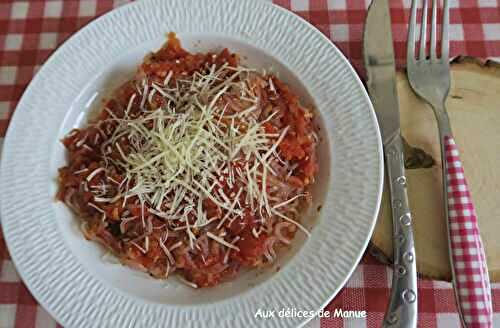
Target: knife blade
{"x":378,"y":55}
{"x":380,"y":66}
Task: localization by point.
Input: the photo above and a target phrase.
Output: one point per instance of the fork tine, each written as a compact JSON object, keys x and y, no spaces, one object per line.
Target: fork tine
{"x":445,"y":42}
{"x":423,"y":31}
{"x":433,"y":29}
{"x":410,"y":53}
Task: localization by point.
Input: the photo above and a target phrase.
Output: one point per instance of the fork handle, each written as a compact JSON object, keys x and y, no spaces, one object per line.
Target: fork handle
{"x":470,"y":272}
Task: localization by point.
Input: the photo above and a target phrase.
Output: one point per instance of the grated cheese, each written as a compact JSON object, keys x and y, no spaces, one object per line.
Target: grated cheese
{"x":184,"y":152}
{"x":222,"y":241}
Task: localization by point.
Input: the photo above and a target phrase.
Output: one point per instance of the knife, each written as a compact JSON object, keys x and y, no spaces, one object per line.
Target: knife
{"x":379,"y":62}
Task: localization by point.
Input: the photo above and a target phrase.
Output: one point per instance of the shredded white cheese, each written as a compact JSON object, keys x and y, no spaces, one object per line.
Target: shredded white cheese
{"x":222,"y":241}
{"x":184,"y":153}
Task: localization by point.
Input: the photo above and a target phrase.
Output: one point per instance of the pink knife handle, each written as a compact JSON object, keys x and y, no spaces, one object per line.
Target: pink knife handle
{"x":469,"y":262}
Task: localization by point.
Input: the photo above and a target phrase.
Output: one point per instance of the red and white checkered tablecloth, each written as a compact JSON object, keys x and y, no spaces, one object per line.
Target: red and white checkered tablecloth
{"x":31,"y":30}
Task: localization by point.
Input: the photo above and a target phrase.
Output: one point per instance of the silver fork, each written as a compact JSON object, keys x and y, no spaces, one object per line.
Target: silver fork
{"x":429,"y":77}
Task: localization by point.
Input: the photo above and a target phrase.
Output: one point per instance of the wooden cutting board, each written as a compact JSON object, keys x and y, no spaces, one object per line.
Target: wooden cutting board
{"x":474,"y":109}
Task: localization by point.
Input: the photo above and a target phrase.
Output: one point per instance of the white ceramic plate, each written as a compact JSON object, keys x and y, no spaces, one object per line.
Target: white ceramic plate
{"x":67,"y":274}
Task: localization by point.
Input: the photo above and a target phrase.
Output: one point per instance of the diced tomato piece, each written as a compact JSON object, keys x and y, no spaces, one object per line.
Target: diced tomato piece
{"x":136,"y":210}
{"x":251,"y":248}
{"x":248,"y":222}
{"x":269,"y":128}
{"x":213,"y":210}
{"x":291,"y":149}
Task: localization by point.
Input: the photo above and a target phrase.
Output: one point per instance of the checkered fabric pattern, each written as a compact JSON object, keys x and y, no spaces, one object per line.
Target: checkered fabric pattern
{"x":467,"y":248}
{"x":31,"y":30}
